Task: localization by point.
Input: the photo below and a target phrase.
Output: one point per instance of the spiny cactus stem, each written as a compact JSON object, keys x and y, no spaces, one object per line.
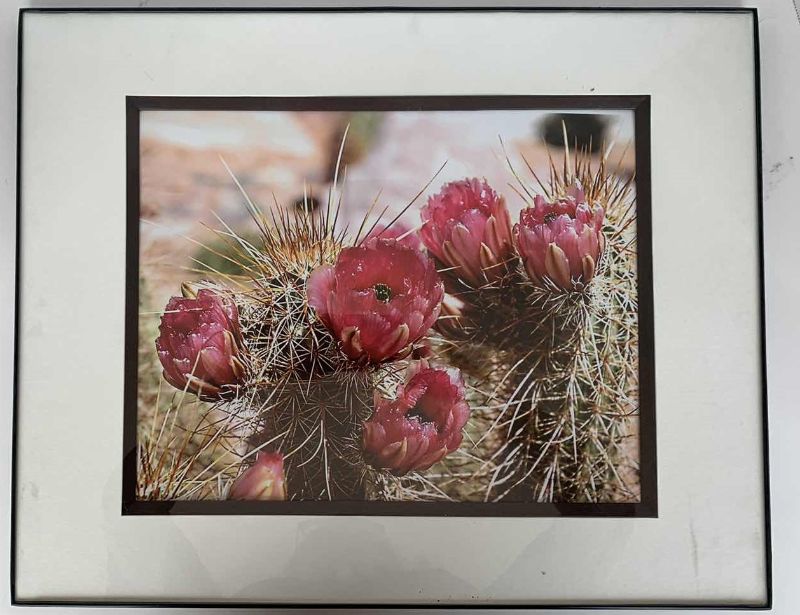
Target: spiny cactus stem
{"x":320,"y":421}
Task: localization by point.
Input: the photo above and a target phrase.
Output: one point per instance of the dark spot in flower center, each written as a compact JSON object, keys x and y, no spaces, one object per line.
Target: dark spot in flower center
{"x":548,"y":218}
{"x":417,"y":413}
{"x":382,"y":292}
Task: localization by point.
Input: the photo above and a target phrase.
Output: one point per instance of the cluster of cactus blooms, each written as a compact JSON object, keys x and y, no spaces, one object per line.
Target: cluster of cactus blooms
{"x":344,"y":353}
{"x":378,"y":300}
{"x":468,"y":228}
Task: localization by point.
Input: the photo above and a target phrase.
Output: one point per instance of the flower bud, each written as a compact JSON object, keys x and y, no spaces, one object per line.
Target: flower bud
{"x":561,"y":241}
{"x":200,"y":345}
{"x":467,"y":227}
{"x":264,"y":480}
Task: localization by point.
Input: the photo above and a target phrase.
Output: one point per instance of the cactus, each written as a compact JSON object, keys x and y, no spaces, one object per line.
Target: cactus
{"x":303,"y":397}
{"x":544,"y":332}
{"x":562,"y":389}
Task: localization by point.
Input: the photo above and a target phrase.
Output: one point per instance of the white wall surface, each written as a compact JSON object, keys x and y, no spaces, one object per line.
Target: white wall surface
{"x":780,"y":50}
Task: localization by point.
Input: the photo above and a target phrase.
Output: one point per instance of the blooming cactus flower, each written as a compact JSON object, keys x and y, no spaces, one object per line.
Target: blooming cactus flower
{"x":420,"y":426}
{"x":561,"y":240}
{"x":264,"y":480}
{"x":467,"y":226}
{"x":379,"y":299}
{"x":199,"y":345}
{"x":399,"y":231}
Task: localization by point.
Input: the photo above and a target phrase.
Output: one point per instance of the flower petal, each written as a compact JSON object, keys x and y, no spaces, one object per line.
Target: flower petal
{"x":557,"y":266}
{"x":588,"y":269}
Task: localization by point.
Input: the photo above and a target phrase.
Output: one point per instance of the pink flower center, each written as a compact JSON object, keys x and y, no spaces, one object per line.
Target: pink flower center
{"x":382,"y":292}
{"x":548,"y":218}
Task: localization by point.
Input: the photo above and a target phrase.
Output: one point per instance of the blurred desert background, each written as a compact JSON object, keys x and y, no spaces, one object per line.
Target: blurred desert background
{"x":276,"y":156}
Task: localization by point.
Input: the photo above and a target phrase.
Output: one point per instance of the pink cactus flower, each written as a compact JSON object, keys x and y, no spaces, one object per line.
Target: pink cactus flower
{"x":200,"y":344}
{"x":264,"y":480}
{"x":561,"y":241}
{"x":404,"y":235}
{"x":467,"y":226}
{"x":379,"y":299}
{"x":420,"y":426}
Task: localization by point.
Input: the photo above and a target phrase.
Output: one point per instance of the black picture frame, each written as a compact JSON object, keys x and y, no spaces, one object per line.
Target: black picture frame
{"x":177,"y":508}
{"x":638,"y":104}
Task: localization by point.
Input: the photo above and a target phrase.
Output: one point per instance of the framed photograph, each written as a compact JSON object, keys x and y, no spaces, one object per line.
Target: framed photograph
{"x":359,"y":315}
{"x":474,"y":379}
